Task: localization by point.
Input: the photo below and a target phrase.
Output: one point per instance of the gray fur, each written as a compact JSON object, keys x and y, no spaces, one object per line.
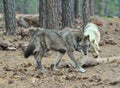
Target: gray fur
{"x":60,"y":41}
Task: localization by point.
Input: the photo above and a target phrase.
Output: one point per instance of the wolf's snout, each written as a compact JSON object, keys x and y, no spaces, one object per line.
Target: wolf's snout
{"x":85,"y":53}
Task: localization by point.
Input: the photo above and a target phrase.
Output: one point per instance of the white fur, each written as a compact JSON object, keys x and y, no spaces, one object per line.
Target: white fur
{"x":94,"y":36}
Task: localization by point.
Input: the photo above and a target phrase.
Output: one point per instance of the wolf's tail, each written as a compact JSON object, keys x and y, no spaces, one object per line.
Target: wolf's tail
{"x":29,"y":50}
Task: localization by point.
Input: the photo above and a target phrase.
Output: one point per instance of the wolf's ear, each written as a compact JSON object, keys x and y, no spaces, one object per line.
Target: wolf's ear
{"x":78,"y":39}
{"x":86,"y":37}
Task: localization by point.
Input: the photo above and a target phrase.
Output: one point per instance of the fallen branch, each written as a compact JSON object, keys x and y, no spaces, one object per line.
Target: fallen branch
{"x":108,"y":59}
{"x":94,"y":62}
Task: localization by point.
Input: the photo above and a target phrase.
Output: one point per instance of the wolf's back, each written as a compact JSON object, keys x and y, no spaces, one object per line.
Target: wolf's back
{"x":29,"y":50}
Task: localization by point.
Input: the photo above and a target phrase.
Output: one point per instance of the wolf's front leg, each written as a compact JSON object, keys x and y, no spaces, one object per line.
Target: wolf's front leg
{"x":38,"y":57}
{"x":95,"y":46}
{"x":59,"y":57}
{"x":71,"y":56}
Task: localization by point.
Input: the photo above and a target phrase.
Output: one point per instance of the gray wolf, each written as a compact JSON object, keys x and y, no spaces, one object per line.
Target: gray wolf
{"x":92,"y":31}
{"x":64,"y":41}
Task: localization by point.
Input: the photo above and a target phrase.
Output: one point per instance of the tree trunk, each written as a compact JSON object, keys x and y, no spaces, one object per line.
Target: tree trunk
{"x":10,"y":20}
{"x":52,"y":21}
{"x":42,"y":13}
{"x":49,"y":13}
{"x":76,"y":8}
{"x":67,"y":13}
{"x":60,"y":13}
{"x":85,"y":12}
{"x":91,"y":7}
{"x":101,"y":7}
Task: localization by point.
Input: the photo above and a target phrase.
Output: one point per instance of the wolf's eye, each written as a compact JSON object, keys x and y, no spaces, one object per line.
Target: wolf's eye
{"x":89,"y":45}
{"x":78,"y":46}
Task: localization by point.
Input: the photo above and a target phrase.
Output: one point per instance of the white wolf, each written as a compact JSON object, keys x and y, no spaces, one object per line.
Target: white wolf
{"x":94,"y":37}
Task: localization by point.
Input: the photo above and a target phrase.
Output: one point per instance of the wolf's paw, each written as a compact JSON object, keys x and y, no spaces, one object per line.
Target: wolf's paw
{"x":55,"y":68}
{"x":82,"y":70}
{"x":43,"y":70}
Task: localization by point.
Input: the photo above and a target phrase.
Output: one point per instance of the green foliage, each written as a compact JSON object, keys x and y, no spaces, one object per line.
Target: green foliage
{"x":112,"y":7}
{"x":1,"y":6}
{"x":26,"y":6}
{"x":106,"y":17}
{"x":34,"y":6}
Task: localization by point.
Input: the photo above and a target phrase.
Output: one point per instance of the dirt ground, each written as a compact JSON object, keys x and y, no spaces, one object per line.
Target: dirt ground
{"x":17,"y":72}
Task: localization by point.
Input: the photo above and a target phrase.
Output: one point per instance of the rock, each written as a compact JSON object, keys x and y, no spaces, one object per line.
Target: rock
{"x":32,"y":20}
{"x":102,"y":42}
{"x":65,"y":65}
{"x":70,"y":77}
{"x":110,"y":23}
{"x":22,"y":70}
{"x":117,"y":30}
{"x":22,"y":45}
{"x":110,"y":41}
{"x":31,"y":73}
{"x":10,"y":81}
{"x":95,"y":79}
{"x":6,"y":45}
{"x":6,"y":68}
{"x":24,"y":32}
{"x":70,"y":70}
{"x":28,"y":19}
{"x":58,"y":73}
{"x":26,"y":64}
{"x":22,"y":23}
{"x":114,"y":82}
{"x":22,"y":78}
{"x":0,"y":48}
{"x":11,"y":48}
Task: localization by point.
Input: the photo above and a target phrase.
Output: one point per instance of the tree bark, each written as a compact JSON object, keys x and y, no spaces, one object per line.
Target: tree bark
{"x":42,"y":13}
{"x":60,"y":13}
{"x":10,"y":20}
{"x":49,"y":13}
{"x":85,"y":13}
{"x":76,"y":8}
{"x":52,"y":21}
{"x":67,"y":13}
{"x":101,"y":7}
{"x":91,"y":7}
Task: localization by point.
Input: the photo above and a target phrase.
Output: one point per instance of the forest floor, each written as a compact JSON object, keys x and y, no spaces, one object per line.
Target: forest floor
{"x":17,"y":72}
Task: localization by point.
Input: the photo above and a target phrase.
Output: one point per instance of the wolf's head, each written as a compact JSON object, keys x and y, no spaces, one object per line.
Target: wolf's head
{"x":83,"y":44}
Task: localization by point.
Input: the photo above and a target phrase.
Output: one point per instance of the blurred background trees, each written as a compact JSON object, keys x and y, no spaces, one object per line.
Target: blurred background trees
{"x":101,"y":7}
{"x":56,"y":14}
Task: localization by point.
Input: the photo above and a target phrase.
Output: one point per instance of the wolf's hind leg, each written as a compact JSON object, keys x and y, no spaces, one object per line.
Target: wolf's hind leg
{"x":98,"y":47}
{"x":59,"y":57}
{"x":71,"y":56}
{"x":38,"y":57}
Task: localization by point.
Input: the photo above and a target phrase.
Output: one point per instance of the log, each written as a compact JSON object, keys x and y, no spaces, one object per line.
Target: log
{"x":94,"y":62}
{"x":109,"y":59}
